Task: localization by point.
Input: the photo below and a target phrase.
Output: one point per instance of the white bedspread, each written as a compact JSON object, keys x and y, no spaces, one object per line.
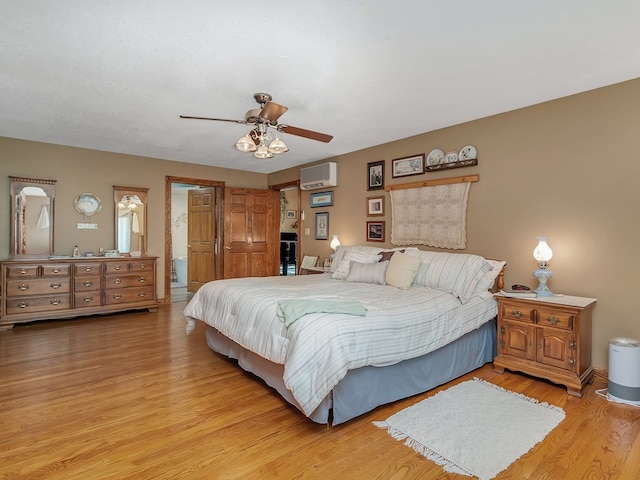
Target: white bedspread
{"x":318,"y":349}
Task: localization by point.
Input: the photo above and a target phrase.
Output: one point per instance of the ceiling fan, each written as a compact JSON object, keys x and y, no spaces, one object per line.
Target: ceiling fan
{"x":261,"y":140}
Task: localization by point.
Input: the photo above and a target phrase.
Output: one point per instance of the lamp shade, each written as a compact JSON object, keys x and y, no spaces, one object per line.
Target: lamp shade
{"x":246,"y":144}
{"x":263,"y":152}
{"x":335,"y":243}
{"x":542,"y":252}
{"x":278,"y":146}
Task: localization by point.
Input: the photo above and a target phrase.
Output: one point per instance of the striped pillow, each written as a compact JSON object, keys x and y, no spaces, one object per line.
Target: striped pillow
{"x":368,"y":272}
{"x":353,"y":255}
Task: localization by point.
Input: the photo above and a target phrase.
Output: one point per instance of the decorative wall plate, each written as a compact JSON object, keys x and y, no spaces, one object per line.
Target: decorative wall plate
{"x":87,"y":204}
{"x":451,"y":157}
{"x":435,"y":157}
{"x":468,"y":153}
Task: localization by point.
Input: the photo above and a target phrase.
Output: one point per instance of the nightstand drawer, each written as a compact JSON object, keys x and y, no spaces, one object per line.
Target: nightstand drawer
{"x":555,"y":318}
{"x":515,"y":311}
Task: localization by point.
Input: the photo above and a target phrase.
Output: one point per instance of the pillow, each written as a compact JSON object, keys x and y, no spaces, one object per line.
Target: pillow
{"x":487,"y":281}
{"x":456,"y":273}
{"x":338,"y":256}
{"x":387,"y":254}
{"x":402,"y":270}
{"x":342,"y":269}
{"x":374,"y":273}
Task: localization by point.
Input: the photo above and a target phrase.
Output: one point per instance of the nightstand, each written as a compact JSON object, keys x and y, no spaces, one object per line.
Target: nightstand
{"x":312,"y":270}
{"x":547,"y":337}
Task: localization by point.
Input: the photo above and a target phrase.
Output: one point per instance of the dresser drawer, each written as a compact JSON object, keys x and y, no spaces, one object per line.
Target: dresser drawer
{"x":55,"y":270}
{"x":44,"y":303}
{"x":123,"y":281}
{"x":515,"y":311}
{"x":129,"y":295}
{"x":142,"y":266}
{"x":555,"y":318}
{"x":87,"y":268}
{"x":40,"y":286}
{"x":116,"y":267}
{"x":87,"y":299}
{"x":22,"y":271}
{"x":81,"y":284}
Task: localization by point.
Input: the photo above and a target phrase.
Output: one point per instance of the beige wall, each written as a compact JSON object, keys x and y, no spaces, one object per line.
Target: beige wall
{"x":565,"y":169}
{"x":79,"y":170}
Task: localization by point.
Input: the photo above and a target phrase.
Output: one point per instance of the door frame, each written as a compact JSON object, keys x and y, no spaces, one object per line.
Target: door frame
{"x":169,"y":181}
{"x":285,"y":185}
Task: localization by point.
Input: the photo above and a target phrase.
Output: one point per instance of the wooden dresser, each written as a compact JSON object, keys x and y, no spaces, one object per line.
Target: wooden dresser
{"x":71,"y":287}
{"x":547,"y":337}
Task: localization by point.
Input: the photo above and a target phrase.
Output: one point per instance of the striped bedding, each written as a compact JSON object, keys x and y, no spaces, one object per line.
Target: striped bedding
{"x":318,"y":349}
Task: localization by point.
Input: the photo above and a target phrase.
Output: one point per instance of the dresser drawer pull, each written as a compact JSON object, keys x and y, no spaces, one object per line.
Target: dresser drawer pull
{"x":516,"y":313}
{"x":117,"y":281}
{"x":55,"y":301}
{"x":141,"y":294}
{"x":88,"y":299}
{"x":55,"y":285}
{"x":142,"y":266}
{"x":141,"y":280}
{"x":88,"y":283}
{"x":23,"y":287}
{"x":117,"y":267}
{"x":23,"y":271}
{"x":117,"y":296}
{"x":553,"y":320}
{"x":56,"y":270}
{"x":88,"y":268}
{"x":23,"y":305}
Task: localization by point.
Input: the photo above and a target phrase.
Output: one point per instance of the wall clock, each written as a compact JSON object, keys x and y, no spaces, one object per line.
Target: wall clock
{"x":87,"y":204}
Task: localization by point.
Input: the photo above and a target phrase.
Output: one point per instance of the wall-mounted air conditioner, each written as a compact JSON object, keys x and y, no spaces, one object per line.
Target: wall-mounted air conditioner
{"x":319,"y":176}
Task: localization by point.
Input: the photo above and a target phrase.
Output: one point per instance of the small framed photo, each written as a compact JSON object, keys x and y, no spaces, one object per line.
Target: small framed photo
{"x":375,"y":206}
{"x":322,"y":226}
{"x":322,"y":199}
{"x":403,"y":167}
{"x":375,"y":175}
{"x":291,"y":214}
{"x":375,"y":231}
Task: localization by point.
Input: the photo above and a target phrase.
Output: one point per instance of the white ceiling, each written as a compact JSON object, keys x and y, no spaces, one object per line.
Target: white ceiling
{"x":115,"y":75}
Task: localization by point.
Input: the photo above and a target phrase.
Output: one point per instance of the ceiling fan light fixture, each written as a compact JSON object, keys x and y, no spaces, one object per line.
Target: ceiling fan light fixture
{"x":263,"y":152}
{"x":246,"y":144}
{"x":278,"y":146}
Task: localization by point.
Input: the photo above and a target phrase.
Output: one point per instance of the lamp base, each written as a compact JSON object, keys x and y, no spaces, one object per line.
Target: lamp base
{"x":542,"y":274}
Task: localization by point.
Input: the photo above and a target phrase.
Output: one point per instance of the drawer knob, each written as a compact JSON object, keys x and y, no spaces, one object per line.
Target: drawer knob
{"x":23,"y":305}
{"x":117,"y":267}
{"x":141,"y":280}
{"x":553,"y":320}
{"x":142,"y":266}
{"x":87,"y":299}
{"x":55,"y":285}
{"x":87,"y":269}
{"x":23,"y":287}
{"x":88,"y":283}
{"x":56,"y":270}
{"x":516,"y":313}
{"x":23,"y":271}
{"x":55,"y":301}
{"x":141,"y":294}
{"x":117,"y":281}
{"x":117,"y":296}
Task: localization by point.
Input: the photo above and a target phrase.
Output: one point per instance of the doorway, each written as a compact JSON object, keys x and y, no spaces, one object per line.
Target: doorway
{"x":181,"y":279}
{"x":290,"y":244}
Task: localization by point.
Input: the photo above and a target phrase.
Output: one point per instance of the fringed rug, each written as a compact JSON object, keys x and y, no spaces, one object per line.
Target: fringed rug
{"x":474,"y":428}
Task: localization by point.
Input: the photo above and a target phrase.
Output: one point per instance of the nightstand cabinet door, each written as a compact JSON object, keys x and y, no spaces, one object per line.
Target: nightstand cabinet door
{"x":548,"y":337}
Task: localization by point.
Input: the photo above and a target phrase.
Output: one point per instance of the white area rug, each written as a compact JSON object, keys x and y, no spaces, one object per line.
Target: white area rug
{"x":474,"y":428}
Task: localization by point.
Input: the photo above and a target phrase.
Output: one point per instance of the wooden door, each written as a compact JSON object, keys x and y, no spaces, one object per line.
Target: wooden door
{"x":251,"y":232}
{"x":201,"y":238}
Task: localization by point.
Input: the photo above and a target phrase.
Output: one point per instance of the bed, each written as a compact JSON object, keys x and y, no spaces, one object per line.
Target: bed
{"x":380,"y":326}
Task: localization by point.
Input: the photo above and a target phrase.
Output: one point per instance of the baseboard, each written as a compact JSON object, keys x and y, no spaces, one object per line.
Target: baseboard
{"x":601,"y":374}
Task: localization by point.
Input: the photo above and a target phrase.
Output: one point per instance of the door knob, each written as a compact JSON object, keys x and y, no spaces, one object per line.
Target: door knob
{"x":227,"y":247}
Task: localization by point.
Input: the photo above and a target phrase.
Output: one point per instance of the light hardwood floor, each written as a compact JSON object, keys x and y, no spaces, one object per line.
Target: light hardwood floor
{"x":131,"y":396}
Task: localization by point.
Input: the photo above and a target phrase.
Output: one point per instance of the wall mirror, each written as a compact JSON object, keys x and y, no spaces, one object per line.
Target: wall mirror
{"x":130,"y":220}
{"x":32,"y":205}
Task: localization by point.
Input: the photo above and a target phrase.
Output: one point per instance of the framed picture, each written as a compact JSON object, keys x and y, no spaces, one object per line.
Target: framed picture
{"x":375,"y":206}
{"x":322,"y":199}
{"x":375,"y":175}
{"x":322,"y":226}
{"x":375,"y":231}
{"x":403,"y":167}
{"x":291,"y":214}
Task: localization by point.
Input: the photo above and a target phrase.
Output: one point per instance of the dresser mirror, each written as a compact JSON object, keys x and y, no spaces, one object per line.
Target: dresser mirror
{"x":130,"y":220}
{"x":32,"y":206}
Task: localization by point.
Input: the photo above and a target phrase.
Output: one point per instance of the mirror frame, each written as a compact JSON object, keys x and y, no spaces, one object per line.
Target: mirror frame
{"x":142,"y":193}
{"x":16,"y":186}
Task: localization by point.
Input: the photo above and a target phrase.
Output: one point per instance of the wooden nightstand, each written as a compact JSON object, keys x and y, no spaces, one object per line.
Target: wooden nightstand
{"x":547,"y":337}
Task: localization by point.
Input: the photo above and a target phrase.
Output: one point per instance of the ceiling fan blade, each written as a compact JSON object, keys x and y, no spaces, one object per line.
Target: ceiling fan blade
{"x":272,"y":111}
{"x":215,"y":119}
{"x":301,"y":132}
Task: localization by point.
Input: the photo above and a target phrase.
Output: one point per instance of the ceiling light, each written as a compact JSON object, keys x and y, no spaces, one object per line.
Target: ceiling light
{"x":246,"y":144}
{"x":263,"y":152}
{"x":278,"y":146}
